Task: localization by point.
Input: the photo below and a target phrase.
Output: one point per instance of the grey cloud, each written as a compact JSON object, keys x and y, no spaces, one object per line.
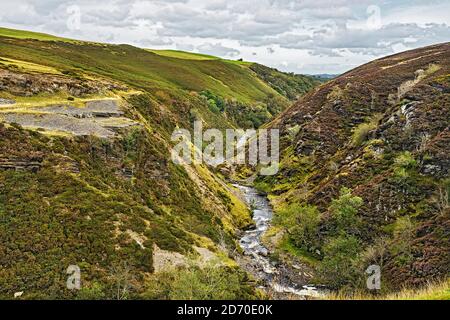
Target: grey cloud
{"x":155,"y":42}
{"x":322,"y":28}
{"x":185,"y":47}
{"x":371,"y":42}
{"x":218,"y":49}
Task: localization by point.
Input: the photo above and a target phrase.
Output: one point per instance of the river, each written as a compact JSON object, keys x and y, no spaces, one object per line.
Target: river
{"x":277,"y":278}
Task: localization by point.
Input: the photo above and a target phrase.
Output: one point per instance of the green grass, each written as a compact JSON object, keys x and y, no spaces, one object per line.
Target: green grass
{"x":173,"y":72}
{"x":195,"y":56}
{"x":22,"y":34}
{"x":141,"y":69}
{"x":25,"y":66}
{"x":287,"y":246}
{"x":431,"y":291}
{"x":183,"y":55}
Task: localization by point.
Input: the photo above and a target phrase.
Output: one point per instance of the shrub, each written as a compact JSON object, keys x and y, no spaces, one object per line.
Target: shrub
{"x":194,"y":283}
{"x":362,"y":131}
{"x":338,"y":268}
{"x":406,"y":161}
{"x":302,"y":224}
{"x":404,"y":232}
{"x":345,"y":210}
{"x":262,"y":186}
{"x":94,"y":292}
{"x":403,"y":167}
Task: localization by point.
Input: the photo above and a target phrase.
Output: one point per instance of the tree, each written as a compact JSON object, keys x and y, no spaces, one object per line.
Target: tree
{"x":211,"y":282}
{"x":302,"y":225}
{"x":404,"y":232}
{"x":122,"y":276}
{"x":338,"y":268}
{"x":344,"y":210}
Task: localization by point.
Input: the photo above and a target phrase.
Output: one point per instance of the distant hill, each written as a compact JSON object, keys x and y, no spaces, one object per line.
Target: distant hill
{"x":289,"y":85}
{"x":324,"y":76}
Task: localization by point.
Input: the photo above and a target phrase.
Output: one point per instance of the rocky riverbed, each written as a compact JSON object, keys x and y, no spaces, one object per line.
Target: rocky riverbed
{"x":279,"y":280}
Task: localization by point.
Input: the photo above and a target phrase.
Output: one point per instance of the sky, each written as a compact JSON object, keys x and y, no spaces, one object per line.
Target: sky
{"x":301,"y":36}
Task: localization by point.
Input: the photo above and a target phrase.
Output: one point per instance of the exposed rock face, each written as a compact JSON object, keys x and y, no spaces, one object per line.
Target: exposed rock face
{"x":54,"y":122}
{"x":6,"y":101}
{"x":101,"y":118}
{"x":94,"y":108}
{"x":402,"y":102}
{"x":24,"y":84}
{"x":14,"y":163}
{"x":164,"y":260}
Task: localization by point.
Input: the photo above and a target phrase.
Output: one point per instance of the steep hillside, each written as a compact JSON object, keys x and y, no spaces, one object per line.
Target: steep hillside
{"x":289,"y":85}
{"x":381,"y":131}
{"x":167,"y":77}
{"x":85,"y":172}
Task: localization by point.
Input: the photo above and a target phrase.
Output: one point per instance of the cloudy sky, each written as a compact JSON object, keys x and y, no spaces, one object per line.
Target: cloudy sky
{"x":302,"y":36}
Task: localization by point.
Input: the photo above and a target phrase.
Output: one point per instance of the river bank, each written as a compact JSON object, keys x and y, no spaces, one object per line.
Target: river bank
{"x":279,"y":280}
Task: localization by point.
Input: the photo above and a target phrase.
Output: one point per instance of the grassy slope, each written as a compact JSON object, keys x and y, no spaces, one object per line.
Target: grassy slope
{"x":167,"y":205}
{"x":138,"y":66}
{"x":431,"y":291}
{"x":195,"y":56}
{"x":291,"y":86}
{"x":183,"y":54}
{"x":22,"y":34}
{"x":440,"y":291}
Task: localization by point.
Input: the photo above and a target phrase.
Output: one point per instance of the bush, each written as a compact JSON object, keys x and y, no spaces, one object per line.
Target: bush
{"x":262,"y":186}
{"x":345,"y":210}
{"x":404,"y":232}
{"x":360,"y":134}
{"x":93,"y":292}
{"x":194,"y":283}
{"x":405,"y":161}
{"x":404,"y":171}
{"x":339,"y":266}
{"x":362,"y":131}
{"x":302,"y":224}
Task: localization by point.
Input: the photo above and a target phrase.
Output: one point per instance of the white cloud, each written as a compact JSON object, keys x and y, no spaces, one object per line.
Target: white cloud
{"x":300,"y":36}
{"x":218,"y":49}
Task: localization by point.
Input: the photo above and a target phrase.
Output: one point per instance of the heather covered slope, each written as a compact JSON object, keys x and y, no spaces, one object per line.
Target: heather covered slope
{"x":381,"y":130}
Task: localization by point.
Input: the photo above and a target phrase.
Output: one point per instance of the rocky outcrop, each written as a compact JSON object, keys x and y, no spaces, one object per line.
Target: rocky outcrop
{"x":20,"y":164}
{"x":6,"y":101}
{"x":102,"y":118}
{"x":24,"y":84}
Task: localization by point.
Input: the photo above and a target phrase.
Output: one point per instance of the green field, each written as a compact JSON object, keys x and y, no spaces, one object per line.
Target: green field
{"x":22,"y":34}
{"x":183,"y":55}
{"x":195,"y":56}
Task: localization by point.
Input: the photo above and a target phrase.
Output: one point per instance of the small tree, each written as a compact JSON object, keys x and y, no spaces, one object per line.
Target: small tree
{"x":404,"y":231}
{"x":122,"y":276}
{"x":338,"y":268}
{"x":304,"y":232}
{"x":302,"y":223}
{"x":345,"y":210}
